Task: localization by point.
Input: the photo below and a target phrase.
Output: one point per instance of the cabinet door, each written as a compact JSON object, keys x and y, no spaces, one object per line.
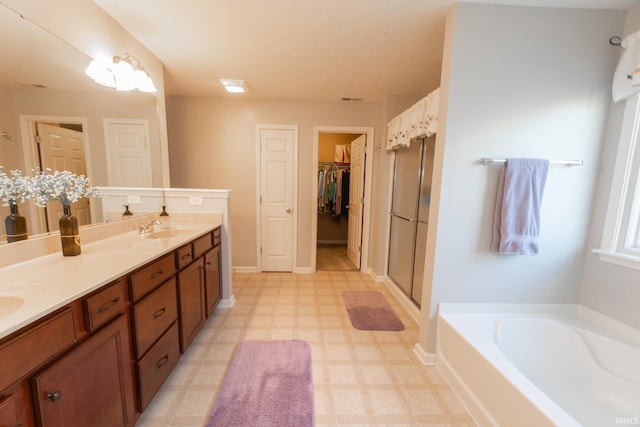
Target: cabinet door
{"x":9,"y":412}
{"x":212,"y":279}
{"x":92,"y":385}
{"x":191,"y":302}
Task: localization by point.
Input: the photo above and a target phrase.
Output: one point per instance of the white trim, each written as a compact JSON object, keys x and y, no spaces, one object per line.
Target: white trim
{"x":30,"y":159}
{"x":106,"y":124}
{"x":621,"y":224}
{"x":246,"y":269}
{"x":366,"y":208}
{"x":618,"y":258}
{"x":303,"y":270}
{"x":427,"y":359}
{"x":294,"y":128}
{"x":227,"y":302}
{"x":404,"y":300}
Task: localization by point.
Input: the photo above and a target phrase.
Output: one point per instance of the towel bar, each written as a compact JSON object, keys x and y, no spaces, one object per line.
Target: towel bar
{"x":489,"y":160}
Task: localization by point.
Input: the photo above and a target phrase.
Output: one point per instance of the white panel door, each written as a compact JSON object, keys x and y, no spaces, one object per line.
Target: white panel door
{"x":356,"y":193}
{"x":128,"y":153}
{"x":276,"y":195}
{"x":62,"y":149}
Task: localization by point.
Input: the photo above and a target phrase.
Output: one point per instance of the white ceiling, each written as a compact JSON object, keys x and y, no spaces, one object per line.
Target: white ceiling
{"x":300,"y":49}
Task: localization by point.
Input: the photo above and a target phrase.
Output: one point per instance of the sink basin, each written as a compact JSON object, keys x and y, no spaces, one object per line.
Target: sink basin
{"x":8,"y":305}
{"x":15,"y":295}
{"x":166,"y":233}
{"x":24,"y":290}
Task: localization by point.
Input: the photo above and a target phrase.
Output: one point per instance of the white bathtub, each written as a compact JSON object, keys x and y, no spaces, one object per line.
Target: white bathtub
{"x":540,"y":365}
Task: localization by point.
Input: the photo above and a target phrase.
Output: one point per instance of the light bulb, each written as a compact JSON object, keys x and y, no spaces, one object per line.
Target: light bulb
{"x":124,"y":74}
{"x":100,"y":74}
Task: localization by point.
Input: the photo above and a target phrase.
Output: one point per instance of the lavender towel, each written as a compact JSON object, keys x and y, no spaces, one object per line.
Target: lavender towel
{"x":516,"y":222}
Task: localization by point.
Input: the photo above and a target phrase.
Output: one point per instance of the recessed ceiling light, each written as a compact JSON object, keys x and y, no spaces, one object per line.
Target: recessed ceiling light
{"x":234,"y":86}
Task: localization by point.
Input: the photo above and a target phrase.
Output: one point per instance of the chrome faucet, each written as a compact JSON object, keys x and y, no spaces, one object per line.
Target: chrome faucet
{"x":148,"y":228}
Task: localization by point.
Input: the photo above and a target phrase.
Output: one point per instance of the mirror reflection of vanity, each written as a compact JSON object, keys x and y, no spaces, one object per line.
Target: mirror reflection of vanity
{"x":45,"y":95}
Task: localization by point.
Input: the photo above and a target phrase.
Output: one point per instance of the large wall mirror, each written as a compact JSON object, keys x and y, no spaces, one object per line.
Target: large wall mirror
{"x":45,"y":97}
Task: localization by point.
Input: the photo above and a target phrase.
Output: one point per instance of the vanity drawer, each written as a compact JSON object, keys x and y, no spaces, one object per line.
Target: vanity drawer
{"x":202,"y":244}
{"x":185,"y":255}
{"x":151,"y":276}
{"x":153,"y":315}
{"x":104,"y":305}
{"x":31,"y":349}
{"x":217,"y":236}
{"x":9,"y":412}
{"x":156,"y":366}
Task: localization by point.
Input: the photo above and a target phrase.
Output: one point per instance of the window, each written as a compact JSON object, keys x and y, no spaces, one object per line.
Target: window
{"x":621,"y":236}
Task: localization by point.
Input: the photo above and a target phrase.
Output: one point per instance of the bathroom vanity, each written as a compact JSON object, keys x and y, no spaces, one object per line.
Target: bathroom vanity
{"x":89,"y":340}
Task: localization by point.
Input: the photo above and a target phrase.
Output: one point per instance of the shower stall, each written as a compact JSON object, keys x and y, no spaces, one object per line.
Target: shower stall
{"x":413,"y":172}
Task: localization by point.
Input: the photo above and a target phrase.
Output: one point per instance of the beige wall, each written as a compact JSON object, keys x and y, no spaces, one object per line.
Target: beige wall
{"x":96,"y":34}
{"x":94,"y":106}
{"x":212,"y":144}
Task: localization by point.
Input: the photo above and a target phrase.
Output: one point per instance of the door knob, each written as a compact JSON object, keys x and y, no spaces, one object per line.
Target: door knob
{"x":289,"y":210}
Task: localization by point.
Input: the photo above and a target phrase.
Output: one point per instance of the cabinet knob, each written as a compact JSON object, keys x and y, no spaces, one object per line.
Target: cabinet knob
{"x":55,"y":396}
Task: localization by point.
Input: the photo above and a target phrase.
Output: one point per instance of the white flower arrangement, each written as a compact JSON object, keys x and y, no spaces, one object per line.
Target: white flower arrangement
{"x":14,"y":188}
{"x":66,"y":187}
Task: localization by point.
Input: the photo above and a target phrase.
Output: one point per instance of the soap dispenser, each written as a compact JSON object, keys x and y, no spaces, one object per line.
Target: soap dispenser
{"x":127,"y":213}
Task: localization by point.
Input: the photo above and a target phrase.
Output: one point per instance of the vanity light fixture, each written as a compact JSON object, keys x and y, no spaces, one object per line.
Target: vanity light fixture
{"x":124,"y":73}
{"x":234,"y":86}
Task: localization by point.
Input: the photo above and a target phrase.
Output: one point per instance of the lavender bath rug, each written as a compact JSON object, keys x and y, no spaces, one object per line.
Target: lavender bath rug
{"x":370,"y":311}
{"x":268,"y":384}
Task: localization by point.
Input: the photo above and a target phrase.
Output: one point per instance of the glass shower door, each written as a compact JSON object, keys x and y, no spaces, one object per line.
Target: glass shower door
{"x":410,"y":217}
{"x":404,"y":211}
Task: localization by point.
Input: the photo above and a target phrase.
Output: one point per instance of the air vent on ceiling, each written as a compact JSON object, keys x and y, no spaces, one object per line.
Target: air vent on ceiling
{"x":352,"y":98}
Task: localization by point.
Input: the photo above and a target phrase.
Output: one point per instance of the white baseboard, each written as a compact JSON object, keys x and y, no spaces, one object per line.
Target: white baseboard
{"x":303,"y":270}
{"x":227,"y":302}
{"x":333,"y":242}
{"x":241,"y":269}
{"x":374,"y":276}
{"x":427,"y":359}
{"x":404,"y":300}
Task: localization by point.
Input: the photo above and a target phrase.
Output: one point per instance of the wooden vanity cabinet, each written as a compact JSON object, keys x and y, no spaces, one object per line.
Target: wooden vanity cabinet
{"x":100,"y":360}
{"x":154,"y":315}
{"x":212,"y":278}
{"x":9,"y":412}
{"x":191,"y":301}
{"x":92,"y":385}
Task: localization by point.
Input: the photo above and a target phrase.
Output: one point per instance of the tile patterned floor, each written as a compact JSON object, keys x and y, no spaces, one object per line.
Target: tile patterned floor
{"x":361,"y":378}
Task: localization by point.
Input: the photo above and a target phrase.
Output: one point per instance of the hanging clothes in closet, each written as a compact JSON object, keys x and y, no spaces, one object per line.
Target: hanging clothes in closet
{"x":333,"y":190}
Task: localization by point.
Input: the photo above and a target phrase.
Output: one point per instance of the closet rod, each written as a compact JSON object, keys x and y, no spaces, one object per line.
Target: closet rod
{"x":334,"y":164}
{"x":489,"y":160}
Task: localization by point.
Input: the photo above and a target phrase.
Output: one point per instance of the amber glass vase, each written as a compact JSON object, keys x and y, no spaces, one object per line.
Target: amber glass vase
{"x":16,"y":225}
{"x":69,"y":233}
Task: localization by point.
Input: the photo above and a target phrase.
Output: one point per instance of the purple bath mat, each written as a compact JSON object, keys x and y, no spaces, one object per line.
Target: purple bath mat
{"x":268,"y":384}
{"x":370,"y":311}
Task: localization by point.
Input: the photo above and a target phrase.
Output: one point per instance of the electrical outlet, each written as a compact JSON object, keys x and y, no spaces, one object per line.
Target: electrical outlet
{"x":195,"y":201}
{"x":134,"y":200}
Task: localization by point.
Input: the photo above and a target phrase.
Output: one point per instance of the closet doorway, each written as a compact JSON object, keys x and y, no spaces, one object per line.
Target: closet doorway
{"x":341,"y":199}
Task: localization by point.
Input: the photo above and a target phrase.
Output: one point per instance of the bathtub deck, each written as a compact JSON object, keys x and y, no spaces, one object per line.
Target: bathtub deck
{"x":494,"y":391}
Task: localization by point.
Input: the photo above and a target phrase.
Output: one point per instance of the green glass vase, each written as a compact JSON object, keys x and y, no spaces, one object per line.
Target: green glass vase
{"x":16,"y":225}
{"x":69,"y":233}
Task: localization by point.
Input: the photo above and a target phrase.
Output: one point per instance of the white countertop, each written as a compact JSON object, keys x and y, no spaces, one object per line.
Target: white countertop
{"x":35,"y":288}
